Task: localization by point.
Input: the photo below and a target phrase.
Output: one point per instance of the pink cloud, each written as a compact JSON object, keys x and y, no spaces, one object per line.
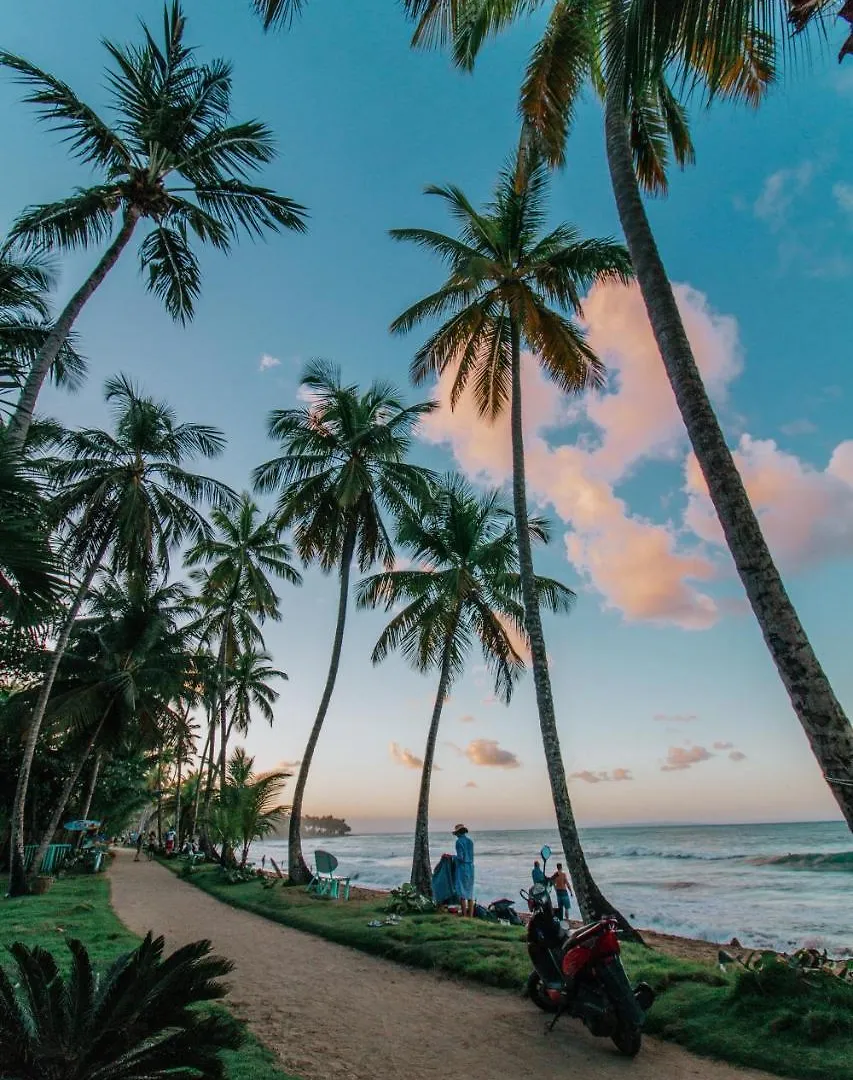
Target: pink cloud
{"x":601,"y":777}
{"x":470,"y":784}
{"x":488,"y":752}
{"x":649,"y":570}
{"x":737,"y":755}
{"x":806,"y":513}
{"x":406,"y":758}
{"x":679,"y":757}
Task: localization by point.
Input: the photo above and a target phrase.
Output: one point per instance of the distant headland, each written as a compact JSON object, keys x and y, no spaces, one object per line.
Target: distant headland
{"x":316,"y":826}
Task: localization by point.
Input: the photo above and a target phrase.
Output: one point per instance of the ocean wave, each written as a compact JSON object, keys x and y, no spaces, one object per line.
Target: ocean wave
{"x":808,"y":860}
{"x":654,"y":853}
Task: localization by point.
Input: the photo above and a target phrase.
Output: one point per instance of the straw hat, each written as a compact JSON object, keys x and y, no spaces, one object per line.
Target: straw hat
{"x":459,"y":828}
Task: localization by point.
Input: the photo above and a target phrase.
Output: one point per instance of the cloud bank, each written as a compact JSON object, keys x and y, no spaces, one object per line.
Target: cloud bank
{"x":488,"y":752}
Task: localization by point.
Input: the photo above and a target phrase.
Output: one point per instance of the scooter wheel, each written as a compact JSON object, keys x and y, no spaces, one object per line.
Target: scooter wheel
{"x":628,"y":1040}
{"x":538,"y":995}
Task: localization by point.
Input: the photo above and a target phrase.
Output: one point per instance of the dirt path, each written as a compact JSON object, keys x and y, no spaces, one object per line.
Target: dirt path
{"x":329,"y":1011}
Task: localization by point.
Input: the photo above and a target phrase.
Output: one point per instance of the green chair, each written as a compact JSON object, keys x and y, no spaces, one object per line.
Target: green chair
{"x":53,"y":859}
{"x":323,"y":881}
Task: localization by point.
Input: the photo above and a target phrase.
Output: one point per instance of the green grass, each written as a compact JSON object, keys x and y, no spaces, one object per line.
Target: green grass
{"x":786,"y":1025}
{"x":79,"y":907}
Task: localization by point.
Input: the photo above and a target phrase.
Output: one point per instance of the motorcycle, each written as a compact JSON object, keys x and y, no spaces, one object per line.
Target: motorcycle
{"x":580,"y":974}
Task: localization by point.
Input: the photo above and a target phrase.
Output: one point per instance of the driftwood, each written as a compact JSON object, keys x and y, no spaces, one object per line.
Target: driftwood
{"x":278,"y":872}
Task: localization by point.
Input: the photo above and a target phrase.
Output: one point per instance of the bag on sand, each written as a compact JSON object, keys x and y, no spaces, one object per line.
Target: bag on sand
{"x":505,"y":910}
{"x":484,"y":913}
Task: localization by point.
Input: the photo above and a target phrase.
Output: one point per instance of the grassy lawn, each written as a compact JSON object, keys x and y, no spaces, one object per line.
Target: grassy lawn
{"x":79,"y":907}
{"x":784,"y":1025}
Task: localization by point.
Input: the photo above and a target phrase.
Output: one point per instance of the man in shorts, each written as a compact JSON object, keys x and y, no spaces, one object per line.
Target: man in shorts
{"x":560,"y":881}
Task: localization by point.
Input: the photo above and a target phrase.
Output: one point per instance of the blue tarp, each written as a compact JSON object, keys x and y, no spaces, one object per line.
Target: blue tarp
{"x":444,"y":881}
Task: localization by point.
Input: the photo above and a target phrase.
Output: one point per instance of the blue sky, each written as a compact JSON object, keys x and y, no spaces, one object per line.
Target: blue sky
{"x":659,"y":662}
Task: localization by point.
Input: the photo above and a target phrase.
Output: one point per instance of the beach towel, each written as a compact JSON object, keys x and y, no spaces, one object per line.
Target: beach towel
{"x":444,"y":881}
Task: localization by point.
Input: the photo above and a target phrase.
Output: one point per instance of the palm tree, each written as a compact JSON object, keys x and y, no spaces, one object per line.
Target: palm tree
{"x":26,"y":281}
{"x":506,"y":283}
{"x":249,"y":677}
{"x":729,"y":48}
{"x":245,"y":550}
{"x":248,"y":808}
{"x":129,"y":500}
{"x":465,"y":591}
{"x":173,"y":156}
{"x":342,"y":469}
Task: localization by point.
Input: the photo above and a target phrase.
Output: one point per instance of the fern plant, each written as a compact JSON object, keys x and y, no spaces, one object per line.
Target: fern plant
{"x":135,"y":1020}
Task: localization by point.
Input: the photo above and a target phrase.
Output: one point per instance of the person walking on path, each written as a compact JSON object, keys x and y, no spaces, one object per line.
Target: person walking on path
{"x":140,"y":840}
{"x":560,"y":881}
{"x":465,"y":870}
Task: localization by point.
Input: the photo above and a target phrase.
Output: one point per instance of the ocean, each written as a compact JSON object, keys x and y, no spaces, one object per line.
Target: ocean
{"x":770,"y":886}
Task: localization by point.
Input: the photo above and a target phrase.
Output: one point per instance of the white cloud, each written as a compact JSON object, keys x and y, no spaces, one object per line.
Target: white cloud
{"x":780,"y":190}
{"x":268,"y":362}
{"x":406,"y":758}
{"x":844,"y":198}
{"x":799,"y":427}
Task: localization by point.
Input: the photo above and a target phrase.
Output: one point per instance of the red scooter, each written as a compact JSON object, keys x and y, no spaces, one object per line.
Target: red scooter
{"x":580,"y":974}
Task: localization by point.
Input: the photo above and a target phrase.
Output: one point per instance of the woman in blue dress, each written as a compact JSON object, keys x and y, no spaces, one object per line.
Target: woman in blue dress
{"x":465,"y":869}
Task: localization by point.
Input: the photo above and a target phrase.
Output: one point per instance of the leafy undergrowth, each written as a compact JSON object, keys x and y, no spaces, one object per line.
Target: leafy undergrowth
{"x":79,"y":907}
{"x":784,"y":1023}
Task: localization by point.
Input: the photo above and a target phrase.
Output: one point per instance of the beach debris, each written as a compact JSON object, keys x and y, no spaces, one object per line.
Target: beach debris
{"x":390,"y":920}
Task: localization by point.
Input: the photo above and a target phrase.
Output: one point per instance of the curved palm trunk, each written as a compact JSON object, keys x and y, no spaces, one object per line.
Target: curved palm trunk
{"x":224,"y":729}
{"x":206,"y":842}
{"x":17,"y":874}
{"x":20,"y":422}
{"x":820,"y":713}
{"x":590,"y":899}
{"x":421,"y":863}
{"x":90,"y":793}
{"x":297,"y":868}
{"x":65,"y":795}
{"x":159,"y":796}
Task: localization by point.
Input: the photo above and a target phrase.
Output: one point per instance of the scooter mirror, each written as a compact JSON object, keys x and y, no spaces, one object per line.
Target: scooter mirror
{"x":545,"y":852}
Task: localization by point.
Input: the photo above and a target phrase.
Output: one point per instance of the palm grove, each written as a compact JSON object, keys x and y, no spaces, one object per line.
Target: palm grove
{"x":125,"y":683}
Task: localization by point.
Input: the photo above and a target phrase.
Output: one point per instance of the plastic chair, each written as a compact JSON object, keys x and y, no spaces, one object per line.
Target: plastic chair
{"x":323,"y":881}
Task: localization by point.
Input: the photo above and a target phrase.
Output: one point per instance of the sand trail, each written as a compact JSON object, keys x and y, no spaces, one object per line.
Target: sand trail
{"x":328,"y":1011}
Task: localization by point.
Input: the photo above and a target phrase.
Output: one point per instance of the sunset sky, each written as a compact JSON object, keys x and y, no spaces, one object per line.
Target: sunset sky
{"x":669,"y":706}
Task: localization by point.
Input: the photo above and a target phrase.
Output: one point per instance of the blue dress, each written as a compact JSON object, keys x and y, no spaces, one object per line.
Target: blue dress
{"x":465,"y":867}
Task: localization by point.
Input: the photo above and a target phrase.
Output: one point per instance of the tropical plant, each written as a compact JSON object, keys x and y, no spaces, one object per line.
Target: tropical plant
{"x":248,"y":806}
{"x":507,"y":283}
{"x":342,"y":469}
{"x":123,"y":668}
{"x":464,"y":589}
{"x":173,"y":156}
{"x":127,"y":500}
{"x":26,"y":281}
{"x":245,"y":551}
{"x":137,"y":1018}
{"x":629,"y":46}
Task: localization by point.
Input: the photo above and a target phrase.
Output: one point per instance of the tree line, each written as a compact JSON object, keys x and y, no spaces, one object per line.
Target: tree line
{"x":104,"y":654}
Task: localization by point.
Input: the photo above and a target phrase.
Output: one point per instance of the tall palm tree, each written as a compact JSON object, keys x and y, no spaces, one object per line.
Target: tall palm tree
{"x":628,"y":46}
{"x":466,"y":591}
{"x":250,"y":675}
{"x":173,"y":156}
{"x":507,"y":284}
{"x":342,"y":469}
{"x":128,"y":500}
{"x":245,"y":551}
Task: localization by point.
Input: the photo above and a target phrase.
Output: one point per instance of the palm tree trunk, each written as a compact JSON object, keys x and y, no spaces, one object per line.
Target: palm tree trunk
{"x":590,"y":899}
{"x":297,"y":868}
{"x":90,"y":793}
{"x":160,"y":796}
{"x":223,"y":712}
{"x":65,"y":795}
{"x":20,"y":422}
{"x":17,"y":874}
{"x":177,"y":825}
{"x":421,"y":862}
{"x":201,"y":766}
{"x":207,"y":844}
{"x":820,"y":713}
